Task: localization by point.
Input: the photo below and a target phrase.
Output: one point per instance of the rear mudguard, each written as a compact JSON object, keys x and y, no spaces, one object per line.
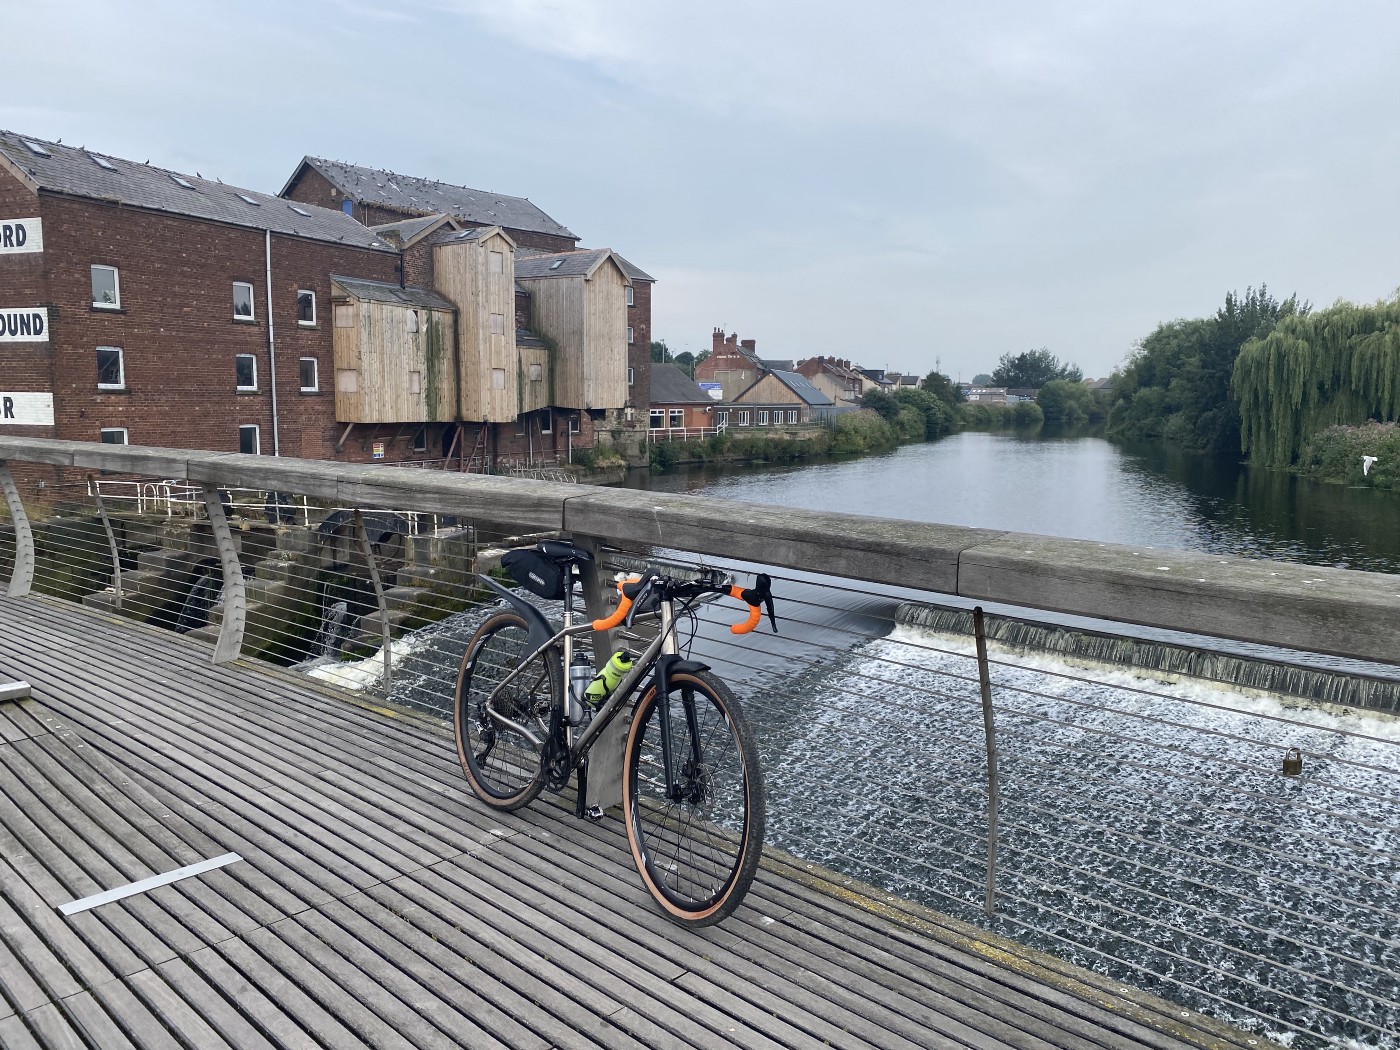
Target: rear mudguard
{"x":539,"y":628}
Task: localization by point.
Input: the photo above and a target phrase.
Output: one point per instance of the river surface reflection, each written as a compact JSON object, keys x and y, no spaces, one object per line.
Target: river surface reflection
{"x":1082,"y":487}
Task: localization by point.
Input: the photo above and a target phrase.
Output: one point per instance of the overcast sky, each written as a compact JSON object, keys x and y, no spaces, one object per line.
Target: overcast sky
{"x":902,"y":182}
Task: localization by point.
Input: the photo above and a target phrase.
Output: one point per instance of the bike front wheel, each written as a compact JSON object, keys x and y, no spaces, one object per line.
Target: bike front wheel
{"x":697,"y":839}
{"x":502,"y":726}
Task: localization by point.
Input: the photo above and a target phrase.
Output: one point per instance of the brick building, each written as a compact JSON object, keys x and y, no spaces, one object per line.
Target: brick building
{"x":733,"y":364}
{"x":149,"y":306}
{"x":678,"y":406}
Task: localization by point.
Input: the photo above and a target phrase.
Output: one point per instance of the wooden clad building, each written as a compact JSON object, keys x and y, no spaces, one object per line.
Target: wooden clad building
{"x":394,"y":353}
{"x":578,"y":301}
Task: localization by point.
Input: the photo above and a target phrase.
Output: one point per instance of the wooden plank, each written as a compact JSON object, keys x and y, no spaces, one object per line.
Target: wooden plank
{"x":144,"y":1027}
{"x":15,"y":1035}
{"x":215,"y":1006}
{"x":279,"y":1007}
{"x":451,"y":993}
{"x":298,"y":956}
{"x":98,"y":1027}
{"x":180,"y":1017}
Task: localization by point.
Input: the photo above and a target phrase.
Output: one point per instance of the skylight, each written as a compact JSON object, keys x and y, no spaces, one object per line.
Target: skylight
{"x":556,"y":264}
{"x":102,"y":162}
{"x":179,"y":180}
{"x":299,"y":211}
{"x":36,"y":149}
{"x":248,"y":200}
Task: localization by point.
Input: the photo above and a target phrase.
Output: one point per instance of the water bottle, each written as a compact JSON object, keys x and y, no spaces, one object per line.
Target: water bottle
{"x":580,"y":674}
{"x":605,"y":681}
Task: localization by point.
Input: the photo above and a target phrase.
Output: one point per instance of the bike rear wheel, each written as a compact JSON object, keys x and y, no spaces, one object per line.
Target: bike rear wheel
{"x":696,"y":841}
{"x":501,"y":741}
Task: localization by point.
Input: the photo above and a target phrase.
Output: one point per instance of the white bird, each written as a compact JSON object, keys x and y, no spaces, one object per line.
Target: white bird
{"x":1366,"y":462}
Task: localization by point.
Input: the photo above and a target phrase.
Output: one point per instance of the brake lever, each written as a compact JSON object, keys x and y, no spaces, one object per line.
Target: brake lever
{"x":761,"y":593}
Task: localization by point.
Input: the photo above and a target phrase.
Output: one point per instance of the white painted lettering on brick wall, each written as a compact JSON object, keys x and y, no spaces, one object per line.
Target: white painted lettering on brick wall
{"x":26,"y":409}
{"x":21,"y":235}
{"x":29,"y":324}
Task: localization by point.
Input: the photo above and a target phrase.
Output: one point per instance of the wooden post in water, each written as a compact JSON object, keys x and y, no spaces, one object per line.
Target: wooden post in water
{"x":993,"y":789}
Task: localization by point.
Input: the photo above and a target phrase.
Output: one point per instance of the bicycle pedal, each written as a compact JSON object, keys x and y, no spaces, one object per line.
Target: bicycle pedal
{"x":594,"y":813}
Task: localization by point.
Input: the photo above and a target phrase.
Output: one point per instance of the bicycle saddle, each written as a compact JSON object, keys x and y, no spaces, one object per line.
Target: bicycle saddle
{"x":563,"y":550}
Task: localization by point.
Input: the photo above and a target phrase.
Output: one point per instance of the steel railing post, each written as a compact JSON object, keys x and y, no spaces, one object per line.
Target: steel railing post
{"x":368,"y":550}
{"x":230,"y":644}
{"x":993,"y":787}
{"x":22,"y":574}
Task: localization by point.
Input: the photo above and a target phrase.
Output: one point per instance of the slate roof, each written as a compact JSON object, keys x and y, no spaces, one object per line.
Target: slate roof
{"x":419,"y":196}
{"x":381,"y":292}
{"x":79,"y":172}
{"x":634,"y":272}
{"x":578,"y":263}
{"x":797,"y":383}
{"x":671,"y":386}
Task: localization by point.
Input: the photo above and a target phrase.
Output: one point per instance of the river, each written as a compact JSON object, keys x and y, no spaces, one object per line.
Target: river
{"x":1082,"y":487}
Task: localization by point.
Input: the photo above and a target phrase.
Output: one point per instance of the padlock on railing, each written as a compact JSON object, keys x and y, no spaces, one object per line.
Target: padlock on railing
{"x":1292,"y":762}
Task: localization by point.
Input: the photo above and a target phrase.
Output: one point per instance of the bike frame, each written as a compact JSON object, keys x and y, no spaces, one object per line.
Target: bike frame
{"x":663,"y":645}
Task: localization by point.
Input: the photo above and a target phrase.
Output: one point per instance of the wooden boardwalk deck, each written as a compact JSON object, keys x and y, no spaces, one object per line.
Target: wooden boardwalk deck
{"x":378,"y":905}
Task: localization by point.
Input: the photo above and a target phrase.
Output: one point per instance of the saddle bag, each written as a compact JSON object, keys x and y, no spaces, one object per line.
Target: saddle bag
{"x":537,"y":572}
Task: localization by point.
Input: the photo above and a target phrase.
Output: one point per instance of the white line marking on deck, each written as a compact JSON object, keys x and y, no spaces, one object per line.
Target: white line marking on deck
{"x":131,"y":888}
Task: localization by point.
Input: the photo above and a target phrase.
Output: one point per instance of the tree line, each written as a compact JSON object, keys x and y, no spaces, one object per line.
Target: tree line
{"x":1287,"y":386}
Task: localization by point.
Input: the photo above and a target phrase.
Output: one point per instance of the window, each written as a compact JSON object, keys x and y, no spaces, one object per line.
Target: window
{"x":631,"y":299}
{"x":412,"y":320}
{"x":347,"y":206}
{"x":496,"y":262}
{"x":248,"y":439}
{"x":309,"y":378}
{"x":631,"y":375}
{"x":246,"y":368}
{"x":536,"y":372}
{"x":106,"y":290}
{"x":180,"y":180}
{"x":306,"y":307}
{"x":792,"y":415}
{"x":723,"y":415}
{"x":102,"y":162}
{"x":242,"y":301}
{"x":547,"y":422}
{"x":113,"y":435}
{"x":743,"y":418}
{"x":658,"y":418}
{"x":631,"y":336}
{"x":498,"y":324}
{"x":415,"y":382}
{"x":573,"y":425}
{"x":677,"y":418}
{"x":762,"y":417}
{"x":248,"y":200}
{"x":111,"y":370}
{"x":420,"y":440}
{"x":498,"y":379}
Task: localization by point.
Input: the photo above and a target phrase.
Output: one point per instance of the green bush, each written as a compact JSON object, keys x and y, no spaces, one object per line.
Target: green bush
{"x":664,"y":455}
{"x":1026,"y":414}
{"x":1335,"y":455}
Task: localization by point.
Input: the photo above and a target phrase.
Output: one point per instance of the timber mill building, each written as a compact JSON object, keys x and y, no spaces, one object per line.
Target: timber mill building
{"x":161,"y":308}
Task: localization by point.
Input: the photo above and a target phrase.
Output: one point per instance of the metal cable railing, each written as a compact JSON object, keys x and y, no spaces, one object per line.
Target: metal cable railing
{"x":1145,"y":828}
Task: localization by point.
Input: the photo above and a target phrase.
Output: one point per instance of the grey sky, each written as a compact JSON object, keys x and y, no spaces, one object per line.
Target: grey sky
{"x":894,"y":182}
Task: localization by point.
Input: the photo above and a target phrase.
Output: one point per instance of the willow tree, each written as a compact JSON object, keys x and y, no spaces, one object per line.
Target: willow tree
{"x":1335,"y":366}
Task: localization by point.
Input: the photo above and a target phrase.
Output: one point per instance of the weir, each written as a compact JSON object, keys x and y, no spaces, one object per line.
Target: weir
{"x":1350,"y":689}
{"x":1234,"y":858}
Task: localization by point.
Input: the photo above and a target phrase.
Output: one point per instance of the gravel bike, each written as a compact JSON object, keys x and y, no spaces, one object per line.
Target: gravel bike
{"x":692,"y":788}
